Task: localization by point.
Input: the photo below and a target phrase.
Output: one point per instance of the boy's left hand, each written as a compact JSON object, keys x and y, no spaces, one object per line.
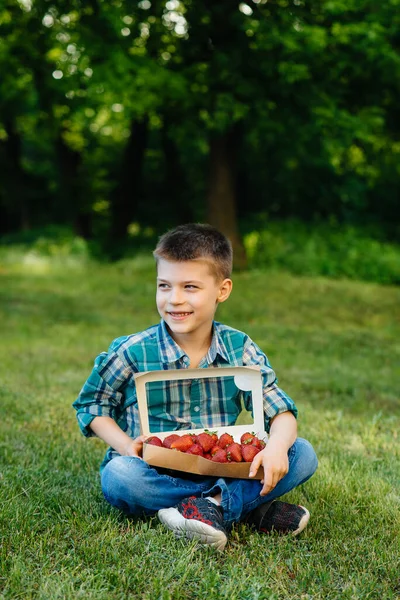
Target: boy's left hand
{"x":274,"y":459}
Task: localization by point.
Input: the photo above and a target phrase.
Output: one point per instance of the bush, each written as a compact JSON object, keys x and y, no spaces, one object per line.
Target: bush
{"x":58,"y":245}
{"x":333,"y":251}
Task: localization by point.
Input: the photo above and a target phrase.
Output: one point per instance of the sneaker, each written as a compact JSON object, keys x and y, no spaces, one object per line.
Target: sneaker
{"x":278,"y":516}
{"x":196,"y":518}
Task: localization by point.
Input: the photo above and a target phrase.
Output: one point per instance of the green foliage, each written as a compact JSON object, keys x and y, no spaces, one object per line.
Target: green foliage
{"x":51,"y":241}
{"x":311,"y":88}
{"x":42,"y":248}
{"x":328,"y":250}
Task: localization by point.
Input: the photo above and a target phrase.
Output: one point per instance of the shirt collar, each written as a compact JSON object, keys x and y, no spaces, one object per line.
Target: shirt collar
{"x":217,"y":346}
{"x":170,"y":352}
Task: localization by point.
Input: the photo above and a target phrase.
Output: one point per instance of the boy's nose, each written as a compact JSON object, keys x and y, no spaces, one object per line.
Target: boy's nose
{"x":175,"y":296}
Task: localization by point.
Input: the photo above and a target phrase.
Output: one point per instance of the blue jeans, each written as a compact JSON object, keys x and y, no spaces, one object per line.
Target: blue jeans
{"x":136,"y":488}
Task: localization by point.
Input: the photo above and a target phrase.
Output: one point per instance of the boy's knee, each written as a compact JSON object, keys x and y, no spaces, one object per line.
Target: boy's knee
{"x":112,"y":479}
{"x":118,"y":482}
{"x":307,"y":458}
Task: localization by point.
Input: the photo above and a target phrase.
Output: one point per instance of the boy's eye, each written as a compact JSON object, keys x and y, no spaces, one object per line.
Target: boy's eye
{"x":163,"y":285}
{"x":191,"y":287}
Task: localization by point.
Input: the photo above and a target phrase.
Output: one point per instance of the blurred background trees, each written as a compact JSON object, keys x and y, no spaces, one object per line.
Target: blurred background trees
{"x":120,"y":118}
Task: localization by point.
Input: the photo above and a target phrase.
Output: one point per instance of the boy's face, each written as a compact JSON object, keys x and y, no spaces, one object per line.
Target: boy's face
{"x":187,"y":297}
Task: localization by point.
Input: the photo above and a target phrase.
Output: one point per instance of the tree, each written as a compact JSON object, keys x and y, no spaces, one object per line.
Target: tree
{"x":117,"y":116}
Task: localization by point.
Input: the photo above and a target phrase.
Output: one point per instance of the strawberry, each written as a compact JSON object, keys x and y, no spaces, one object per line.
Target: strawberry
{"x":214,"y":449}
{"x":220,"y":456}
{"x":249,"y":451}
{"x":183,"y":443}
{"x":225,"y":440}
{"x":206,"y":440}
{"x":169,"y":439}
{"x":258,"y":443}
{"x":195,"y":449}
{"x":213,"y":435}
{"x":154,"y":441}
{"x":207,"y":455}
{"x":247,"y":438}
{"x":234,"y":452}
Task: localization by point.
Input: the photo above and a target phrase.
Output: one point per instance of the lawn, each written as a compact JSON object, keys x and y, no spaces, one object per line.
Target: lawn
{"x":335,"y":347}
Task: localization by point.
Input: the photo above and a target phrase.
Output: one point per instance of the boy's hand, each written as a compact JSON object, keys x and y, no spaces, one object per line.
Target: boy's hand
{"x":109,"y":431}
{"x":135,"y":447}
{"x":274,"y":459}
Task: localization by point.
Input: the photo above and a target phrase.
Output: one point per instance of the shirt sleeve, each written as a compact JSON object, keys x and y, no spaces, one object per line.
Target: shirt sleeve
{"x":102,"y":394}
{"x":276,"y":401}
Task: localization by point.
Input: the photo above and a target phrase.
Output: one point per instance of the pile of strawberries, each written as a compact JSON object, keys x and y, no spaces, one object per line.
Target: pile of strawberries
{"x":207,"y":444}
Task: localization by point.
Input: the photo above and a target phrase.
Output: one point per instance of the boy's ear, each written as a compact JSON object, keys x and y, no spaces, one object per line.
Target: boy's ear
{"x":224,"y":290}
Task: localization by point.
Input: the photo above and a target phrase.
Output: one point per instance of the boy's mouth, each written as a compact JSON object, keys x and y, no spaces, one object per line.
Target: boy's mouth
{"x":179,"y":315}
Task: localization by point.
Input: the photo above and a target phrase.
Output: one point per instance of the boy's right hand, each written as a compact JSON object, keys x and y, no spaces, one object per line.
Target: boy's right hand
{"x":135,"y":447}
{"x":108,"y":430}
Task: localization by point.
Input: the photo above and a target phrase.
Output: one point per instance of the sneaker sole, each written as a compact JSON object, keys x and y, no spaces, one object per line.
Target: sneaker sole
{"x":192,"y":529}
{"x":303,"y":522}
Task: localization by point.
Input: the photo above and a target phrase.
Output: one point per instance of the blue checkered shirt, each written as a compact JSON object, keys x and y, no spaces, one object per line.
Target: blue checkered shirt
{"x":187,"y":404}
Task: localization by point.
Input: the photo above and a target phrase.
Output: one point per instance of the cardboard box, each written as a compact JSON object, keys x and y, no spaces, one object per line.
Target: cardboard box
{"x":245,"y":378}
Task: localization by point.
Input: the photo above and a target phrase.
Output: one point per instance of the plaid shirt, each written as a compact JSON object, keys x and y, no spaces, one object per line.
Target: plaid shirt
{"x":187,"y":404}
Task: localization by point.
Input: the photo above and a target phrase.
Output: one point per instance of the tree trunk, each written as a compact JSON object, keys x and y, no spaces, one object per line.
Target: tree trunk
{"x":73,"y":207}
{"x":221,"y":208}
{"x":16,"y":176}
{"x":175,"y":183}
{"x":124,"y":200}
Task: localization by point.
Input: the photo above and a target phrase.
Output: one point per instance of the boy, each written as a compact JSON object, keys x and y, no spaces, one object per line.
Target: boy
{"x":194,"y":264}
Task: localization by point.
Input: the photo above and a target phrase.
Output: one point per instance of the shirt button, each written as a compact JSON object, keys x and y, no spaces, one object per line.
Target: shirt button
{"x":196,"y":408}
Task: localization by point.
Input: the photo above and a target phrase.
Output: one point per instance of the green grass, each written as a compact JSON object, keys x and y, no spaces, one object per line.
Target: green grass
{"x":335,"y":346}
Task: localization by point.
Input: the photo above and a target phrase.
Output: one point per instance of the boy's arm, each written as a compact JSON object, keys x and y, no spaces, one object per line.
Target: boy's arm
{"x":274,"y":457}
{"x":104,"y":392}
{"x":111,"y":433}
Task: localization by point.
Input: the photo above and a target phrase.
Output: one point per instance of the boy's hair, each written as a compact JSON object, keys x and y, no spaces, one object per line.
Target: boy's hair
{"x":197,"y":241}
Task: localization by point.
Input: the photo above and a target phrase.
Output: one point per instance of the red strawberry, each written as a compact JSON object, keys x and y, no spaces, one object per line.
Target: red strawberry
{"x":213,"y":435}
{"x":234,"y":452}
{"x":169,"y":439}
{"x":154,"y":441}
{"x":225,"y":440}
{"x":258,"y":443}
{"x":247,"y":438}
{"x":182,"y":443}
{"x":208,"y":456}
{"x":195,"y":449}
{"x":214,"y":449}
{"x":206,"y":440}
{"x":249,"y":451}
{"x":220,"y":456}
